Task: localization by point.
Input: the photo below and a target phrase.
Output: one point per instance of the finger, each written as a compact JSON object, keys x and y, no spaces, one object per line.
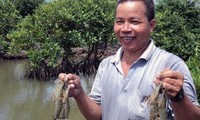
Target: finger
{"x":170,"y":92}
{"x":157,"y":81}
{"x":71,"y":76}
{"x":174,"y":82}
{"x":61,"y":76}
{"x":75,"y":82}
{"x":172,"y":89}
{"x":172,"y":74}
{"x":72,"y":86}
{"x":68,"y":77}
{"x":70,"y":81}
{"x":161,"y":74}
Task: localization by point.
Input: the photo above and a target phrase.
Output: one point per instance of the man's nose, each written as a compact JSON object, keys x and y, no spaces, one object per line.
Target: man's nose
{"x":126,"y":27}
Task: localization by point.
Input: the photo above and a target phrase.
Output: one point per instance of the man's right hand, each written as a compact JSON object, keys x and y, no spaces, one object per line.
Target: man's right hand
{"x":73,"y":82}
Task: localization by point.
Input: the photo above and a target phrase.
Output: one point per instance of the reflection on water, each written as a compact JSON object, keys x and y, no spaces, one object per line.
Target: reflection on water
{"x":28,"y":99}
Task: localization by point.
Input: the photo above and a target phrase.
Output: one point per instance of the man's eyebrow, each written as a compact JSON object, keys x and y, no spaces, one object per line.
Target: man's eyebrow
{"x":131,"y":18}
{"x":135,"y":18}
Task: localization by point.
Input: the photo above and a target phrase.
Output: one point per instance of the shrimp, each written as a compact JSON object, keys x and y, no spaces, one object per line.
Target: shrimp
{"x":157,"y":102}
{"x":61,"y":99}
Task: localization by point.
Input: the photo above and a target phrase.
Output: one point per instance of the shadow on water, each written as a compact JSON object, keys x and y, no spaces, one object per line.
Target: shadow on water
{"x":28,"y":99}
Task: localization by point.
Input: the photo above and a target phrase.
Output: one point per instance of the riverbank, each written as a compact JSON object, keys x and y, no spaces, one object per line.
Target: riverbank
{"x":20,"y":55}
{"x":78,"y":52}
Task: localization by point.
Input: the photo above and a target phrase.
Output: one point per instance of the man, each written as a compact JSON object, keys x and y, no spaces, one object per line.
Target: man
{"x":125,"y":80}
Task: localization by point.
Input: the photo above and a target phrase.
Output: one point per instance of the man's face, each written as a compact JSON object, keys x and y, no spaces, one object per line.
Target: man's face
{"x":132,"y":27}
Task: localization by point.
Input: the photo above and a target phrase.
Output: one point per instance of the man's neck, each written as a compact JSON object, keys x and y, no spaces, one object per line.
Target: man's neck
{"x":130,"y":57}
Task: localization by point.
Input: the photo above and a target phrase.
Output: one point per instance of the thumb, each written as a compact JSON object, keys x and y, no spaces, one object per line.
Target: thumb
{"x":61,"y":76}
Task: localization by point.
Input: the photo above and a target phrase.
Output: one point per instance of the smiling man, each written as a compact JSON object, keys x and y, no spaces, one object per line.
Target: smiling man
{"x":125,"y":80}
{"x":132,"y":28}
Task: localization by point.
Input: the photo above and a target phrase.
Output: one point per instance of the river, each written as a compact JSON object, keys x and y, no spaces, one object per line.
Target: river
{"x":29,"y":99}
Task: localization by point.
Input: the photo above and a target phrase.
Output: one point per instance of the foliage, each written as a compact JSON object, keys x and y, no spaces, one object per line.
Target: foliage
{"x":26,"y":7}
{"x":9,"y":18}
{"x":178,"y":26}
{"x":194,"y":66}
{"x":49,"y":35}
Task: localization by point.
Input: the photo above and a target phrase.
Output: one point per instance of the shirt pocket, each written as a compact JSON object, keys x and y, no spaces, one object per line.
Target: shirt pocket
{"x":139,"y":110}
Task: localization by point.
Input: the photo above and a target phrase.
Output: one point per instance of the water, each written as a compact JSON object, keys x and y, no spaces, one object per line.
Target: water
{"x":28,"y":99}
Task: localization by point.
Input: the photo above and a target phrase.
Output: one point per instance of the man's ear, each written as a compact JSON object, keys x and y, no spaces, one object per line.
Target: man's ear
{"x":152,"y":24}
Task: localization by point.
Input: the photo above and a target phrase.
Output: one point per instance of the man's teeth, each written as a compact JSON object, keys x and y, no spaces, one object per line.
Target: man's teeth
{"x":127,"y":38}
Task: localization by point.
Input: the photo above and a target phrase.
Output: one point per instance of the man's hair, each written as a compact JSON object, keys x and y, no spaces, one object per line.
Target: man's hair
{"x":150,"y":7}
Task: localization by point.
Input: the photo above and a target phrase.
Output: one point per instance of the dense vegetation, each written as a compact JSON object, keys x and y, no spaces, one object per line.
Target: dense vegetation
{"x":194,"y":66}
{"x":52,"y":33}
{"x":177,"y":28}
{"x":11,"y":12}
{"x":9,"y":17}
{"x":26,"y":7}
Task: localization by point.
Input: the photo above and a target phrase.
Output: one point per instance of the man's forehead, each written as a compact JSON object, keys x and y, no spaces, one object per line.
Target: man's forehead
{"x":118,"y":1}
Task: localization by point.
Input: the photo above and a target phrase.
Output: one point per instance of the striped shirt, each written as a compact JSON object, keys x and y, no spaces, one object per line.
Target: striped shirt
{"x":125,"y":98}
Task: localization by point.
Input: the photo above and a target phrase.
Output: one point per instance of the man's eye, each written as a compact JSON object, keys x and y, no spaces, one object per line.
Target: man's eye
{"x":135,"y":22}
{"x":119,"y":21}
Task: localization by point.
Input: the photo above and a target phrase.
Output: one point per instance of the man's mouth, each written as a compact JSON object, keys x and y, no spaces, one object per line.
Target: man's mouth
{"x":127,"y":38}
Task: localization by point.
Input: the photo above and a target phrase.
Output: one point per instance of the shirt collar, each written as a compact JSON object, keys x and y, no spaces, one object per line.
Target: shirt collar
{"x":146,"y":55}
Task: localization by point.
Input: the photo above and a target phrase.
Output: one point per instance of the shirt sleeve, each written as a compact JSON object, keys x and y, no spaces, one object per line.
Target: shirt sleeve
{"x":188,"y":85}
{"x":95,"y":93}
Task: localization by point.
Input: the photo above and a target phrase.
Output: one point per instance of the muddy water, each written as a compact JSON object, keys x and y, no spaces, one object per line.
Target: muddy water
{"x":28,"y":99}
